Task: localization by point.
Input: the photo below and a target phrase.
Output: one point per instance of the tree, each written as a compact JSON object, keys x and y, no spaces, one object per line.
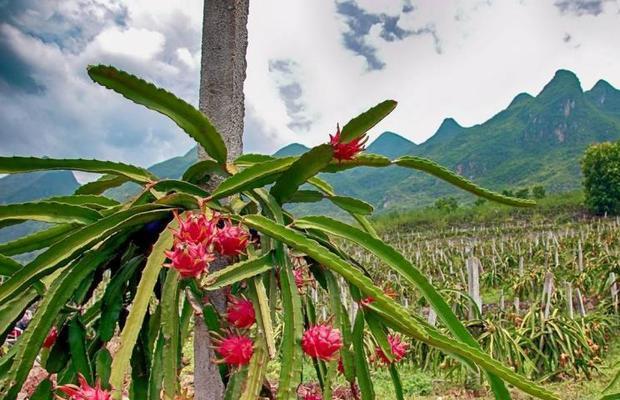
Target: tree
{"x":447,"y":204}
{"x":600,"y":166}
{"x":539,"y":192}
{"x":523,"y":193}
{"x":222,"y":73}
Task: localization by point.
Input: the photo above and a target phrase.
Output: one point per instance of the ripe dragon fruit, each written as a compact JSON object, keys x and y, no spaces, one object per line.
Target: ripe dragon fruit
{"x":240,"y":312}
{"x":189,"y":259}
{"x":235,"y":350}
{"x":85,"y":391}
{"x":321,"y":341}
{"x":399,"y":350}
{"x":195,"y":228}
{"x":231,"y":240}
{"x":346,"y":151}
{"x":51,"y":338}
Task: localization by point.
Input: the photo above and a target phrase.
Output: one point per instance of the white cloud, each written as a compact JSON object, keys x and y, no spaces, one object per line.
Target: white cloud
{"x":143,"y":44}
{"x":191,"y":61}
{"x":391,"y":7}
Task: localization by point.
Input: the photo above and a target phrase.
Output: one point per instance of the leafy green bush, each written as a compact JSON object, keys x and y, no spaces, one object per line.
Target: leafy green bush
{"x":100,"y":274}
{"x":523,"y":193}
{"x":601,"y":178}
{"x":539,"y":192}
{"x":446,"y":204}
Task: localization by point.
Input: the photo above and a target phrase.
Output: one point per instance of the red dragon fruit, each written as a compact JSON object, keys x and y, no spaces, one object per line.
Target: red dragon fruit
{"x":346,"y":151}
{"x":235,"y":350}
{"x":240,"y":312}
{"x":85,"y":391}
{"x":51,"y":338}
{"x":322,"y":341}
{"x":231,"y":240}
{"x":195,"y":228}
{"x":399,"y":350}
{"x":189,"y":259}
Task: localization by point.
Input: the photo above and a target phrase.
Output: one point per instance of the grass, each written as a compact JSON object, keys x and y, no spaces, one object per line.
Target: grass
{"x":553,"y":208}
{"x":569,"y":389}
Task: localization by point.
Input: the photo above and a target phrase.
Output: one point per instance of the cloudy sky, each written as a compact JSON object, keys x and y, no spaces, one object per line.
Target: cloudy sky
{"x":310,"y":64}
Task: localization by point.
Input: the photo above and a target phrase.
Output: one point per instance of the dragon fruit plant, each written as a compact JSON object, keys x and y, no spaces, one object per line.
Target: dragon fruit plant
{"x":132,"y":277}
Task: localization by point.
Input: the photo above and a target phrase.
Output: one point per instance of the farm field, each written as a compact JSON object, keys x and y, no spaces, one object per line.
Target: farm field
{"x":576,"y":355}
{"x":563,"y":336}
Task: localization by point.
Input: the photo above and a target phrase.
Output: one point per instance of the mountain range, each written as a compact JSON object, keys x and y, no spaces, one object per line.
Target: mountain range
{"x":534,"y":140}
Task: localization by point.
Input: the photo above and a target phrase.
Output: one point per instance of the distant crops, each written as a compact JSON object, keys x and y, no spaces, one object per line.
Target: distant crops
{"x":554,"y":334}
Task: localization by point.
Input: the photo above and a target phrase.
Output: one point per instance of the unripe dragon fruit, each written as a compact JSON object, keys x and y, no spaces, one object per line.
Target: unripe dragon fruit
{"x":302,"y":278}
{"x":240,"y":312}
{"x":189,"y":259}
{"x":195,"y":228}
{"x":321,"y":341}
{"x":312,"y":396}
{"x":346,"y":151}
{"x":309,"y":392}
{"x":340,"y":366}
{"x":231,"y":240}
{"x":399,"y":350}
{"x":235,"y":350}
{"x":51,"y":338}
{"x":85,"y":391}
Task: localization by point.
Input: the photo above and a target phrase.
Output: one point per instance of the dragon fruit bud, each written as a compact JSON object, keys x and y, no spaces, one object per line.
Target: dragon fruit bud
{"x":240,"y":312}
{"x":189,"y":259}
{"x":346,"y":151}
{"x":236,"y":350}
{"x":321,"y":341}
{"x":85,"y":391}
{"x":195,"y":228}
{"x":231,"y":240}
{"x":399,"y":350}
{"x":387,"y":290}
{"x":366,"y":301}
{"x":51,"y":338}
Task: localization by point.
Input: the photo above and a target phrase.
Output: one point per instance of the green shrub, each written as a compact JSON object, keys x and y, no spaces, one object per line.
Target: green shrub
{"x":601,"y":178}
{"x":447,"y":204}
{"x":539,"y":192}
{"x":523,"y":193}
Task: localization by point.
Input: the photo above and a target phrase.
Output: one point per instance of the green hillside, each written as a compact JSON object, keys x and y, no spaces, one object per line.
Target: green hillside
{"x":535,"y":140}
{"x":172,"y":168}
{"x":32,"y":186}
{"x":36,"y":185}
{"x":294,"y":149}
